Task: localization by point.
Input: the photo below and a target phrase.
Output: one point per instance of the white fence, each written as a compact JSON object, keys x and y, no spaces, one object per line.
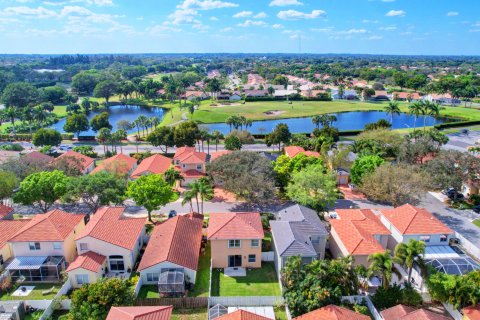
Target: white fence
{"x":268,"y":256}
{"x":138,"y":286}
{"x":452,"y":311}
{"x":67,"y":286}
{"x":360,"y":299}
{"x":247,"y":301}
{"x":469,"y":246}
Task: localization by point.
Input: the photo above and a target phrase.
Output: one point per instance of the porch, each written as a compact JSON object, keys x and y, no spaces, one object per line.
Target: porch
{"x":36,"y":269}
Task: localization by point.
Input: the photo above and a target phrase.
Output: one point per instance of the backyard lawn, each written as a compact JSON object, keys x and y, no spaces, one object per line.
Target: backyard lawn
{"x":148,"y":292}
{"x":191,"y":314}
{"x":203,"y":276}
{"x":36,"y":293}
{"x":258,"y":282}
{"x":477,"y":222}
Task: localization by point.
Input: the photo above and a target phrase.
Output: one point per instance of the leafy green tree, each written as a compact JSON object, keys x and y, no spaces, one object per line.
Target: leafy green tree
{"x":93,"y":301}
{"x":172,"y":175}
{"x":410,"y":253}
{"x":124,"y":125}
{"x":9,"y":183}
{"x":185,"y":134}
{"x":459,"y":290}
{"x":233,"y":142}
{"x":285,"y":166}
{"x":281,"y":134}
{"x":150,"y":191}
{"x":383,"y":142}
{"x":385,"y":298}
{"x":162,"y":137}
{"x":313,"y":188}
{"x":381,"y":263}
{"x":19,"y":95}
{"x":364,"y":165}
{"x":47,"y":137}
{"x":100,"y":121}
{"x":42,"y":189}
{"x":280,"y":80}
{"x":54,"y":94}
{"x":105,"y":89}
{"x":84,"y":82}
{"x":76,"y":123}
{"x":95,"y":190}
{"x":88,"y":151}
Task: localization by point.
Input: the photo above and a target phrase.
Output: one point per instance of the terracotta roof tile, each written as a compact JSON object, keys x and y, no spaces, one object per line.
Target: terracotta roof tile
{"x":182,"y":151}
{"x":408,"y":219}
{"x":140,"y":313}
{"x":85,"y":161}
{"x":8,"y":228}
{"x":38,"y":156}
{"x":90,"y":260}
{"x":401,"y":312}
{"x":242,"y":315}
{"x":189,"y":155}
{"x":396,"y":312}
{"x":292,"y":151}
{"x":118,"y":164}
{"x":472,"y":312}
{"x":177,"y":240}
{"x":4,"y":210}
{"x":156,"y":164}
{"x":235,"y":225}
{"x":218,"y":154}
{"x":192,"y":174}
{"x":332,"y":312}
{"x":54,"y":225}
{"x":108,"y":225}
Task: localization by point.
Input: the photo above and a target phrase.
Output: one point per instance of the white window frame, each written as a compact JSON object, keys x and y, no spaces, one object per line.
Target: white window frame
{"x":425,"y":239}
{"x":444,"y":238}
{"x":33,"y":246}
{"x":255,"y":246}
{"x":153,"y":277}
{"x":254,"y":258}
{"x":234,"y":243}
{"x":57,"y":246}
{"x":83,"y":246}
{"x":315,"y":239}
{"x":80,"y":278}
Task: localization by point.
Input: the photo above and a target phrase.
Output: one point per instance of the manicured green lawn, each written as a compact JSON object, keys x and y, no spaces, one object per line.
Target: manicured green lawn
{"x":267,"y":241}
{"x":190,"y":314}
{"x":280,"y":313}
{"x":36,"y":293}
{"x":477,"y":222}
{"x":148,"y":292}
{"x":258,"y":282}
{"x":60,"y":111}
{"x":202,"y":282}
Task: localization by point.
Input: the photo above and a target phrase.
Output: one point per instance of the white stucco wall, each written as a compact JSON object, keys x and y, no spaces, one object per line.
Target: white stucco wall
{"x":191,"y":274}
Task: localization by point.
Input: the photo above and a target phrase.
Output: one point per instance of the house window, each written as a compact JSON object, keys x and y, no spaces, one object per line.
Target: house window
{"x":34,"y":246}
{"x":306,"y":260}
{"x":152,"y":277}
{"x":184,"y":166}
{"x":1,"y":260}
{"x":199,"y":167}
{"x":57,"y":246}
{"x":83,"y":247}
{"x":234,"y":243}
{"x":177,"y":162}
{"x":443,"y":238}
{"x":171,"y":270}
{"x":255,"y":243}
{"x":315,"y":239}
{"x":81,"y":278}
{"x":425,"y":238}
{"x":252,"y":258}
{"x":116,"y":263}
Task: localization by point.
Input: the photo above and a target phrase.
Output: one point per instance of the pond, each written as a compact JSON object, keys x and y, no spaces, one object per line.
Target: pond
{"x":117,"y":113}
{"x":355,"y":120}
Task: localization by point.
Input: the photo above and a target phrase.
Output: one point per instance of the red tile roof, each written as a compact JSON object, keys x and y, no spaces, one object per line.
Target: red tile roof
{"x":357,"y":228}
{"x":332,"y":312}
{"x":192,"y":174}
{"x":242,"y":315}
{"x":4,"y":210}
{"x":218,"y":154}
{"x":472,"y":312}
{"x":90,"y":261}
{"x":156,"y":164}
{"x":189,"y":155}
{"x":408,"y":219}
{"x":235,"y":225}
{"x":54,"y":225}
{"x":108,"y":225}
{"x":177,"y":240}
{"x":38,"y":156}
{"x":401,"y":312}
{"x":292,"y":151}
{"x":118,"y":164}
{"x":8,"y":228}
{"x":84,"y":161}
{"x":182,"y":151}
{"x":312,"y":154}
{"x":405,"y":95}
{"x":140,"y":313}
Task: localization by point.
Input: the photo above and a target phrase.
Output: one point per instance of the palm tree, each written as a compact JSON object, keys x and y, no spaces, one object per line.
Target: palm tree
{"x":410,"y":253}
{"x":11,"y":113}
{"x":432,"y":109}
{"x":103,"y":136}
{"x":392,"y":109}
{"x":120,"y":135}
{"x":316,"y":120}
{"x":231,"y":121}
{"x":39,"y":114}
{"x":137,"y":124}
{"x":217,"y":135}
{"x":172,"y":175}
{"x":154,"y":122}
{"x":382,"y":263}
{"x":143,"y":122}
{"x":416,"y":109}
{"x":188,"y":197}
{"x":205,"y":190}
{"x":194,"y":188}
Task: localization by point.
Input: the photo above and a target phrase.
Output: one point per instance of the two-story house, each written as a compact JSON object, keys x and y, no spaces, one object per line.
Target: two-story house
{"x":190,"y":163}
{"x":120,"y":164}
{"x":110,"y":234}
{"x":236,"y":239}
{"x":409,"y":222}
{"x":44,"y":245}
{"x":298,"y":231}
{"x":359,"y":233}
{"x":8,"y":228}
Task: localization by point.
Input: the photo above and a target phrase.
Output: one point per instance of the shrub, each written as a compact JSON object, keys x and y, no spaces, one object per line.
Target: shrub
{"x":360,"y":309}
{"x":6,"y":284}
{"x":475,"y":198}
{"x":11,"y":147}
{"x":86,"y":151}
{"x":387,"y":298}
{"x":244,"y":136}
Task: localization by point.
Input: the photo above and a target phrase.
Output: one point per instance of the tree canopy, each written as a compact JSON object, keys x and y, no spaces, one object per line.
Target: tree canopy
{"x":364,"y":165}
{"x":46,"y":137}
{"x":76,"y":123}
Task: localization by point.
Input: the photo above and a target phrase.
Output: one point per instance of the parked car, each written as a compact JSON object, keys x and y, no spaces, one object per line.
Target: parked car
{"x":451,"y":193}
{"x":476,"y":209}
{"x":172,"y":214}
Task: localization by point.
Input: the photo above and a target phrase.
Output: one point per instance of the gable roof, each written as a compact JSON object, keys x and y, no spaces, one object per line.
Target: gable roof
{"x":8,"y":228}
{"x":235,"y":225}
{"x":332,"y":312}
{"x":472,"y":312}
{"x":38,"y":156}
{"x":242,"y":315}
{"x":402,"y":312}
{"x":405,"y":95}
{"x":177,"y":240}
{"x":292,"y":151}
{"x":357,"y":228}
{"x":140,"y":313}
{"x":156,"y":164}
{"x":4,"y":210}
{"x":217,"y":154}
{"x":84,"y":161}
{"x":90,"y":260}
{"x":189,"y":155}
{"x":408,"y":219}
{"x":54,"y":225}
{"x":108,"y":225}
{"x":118,"y":164}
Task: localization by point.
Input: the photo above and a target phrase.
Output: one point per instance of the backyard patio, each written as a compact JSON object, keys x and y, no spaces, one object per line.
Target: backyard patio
{"x":257,"y":282}
{"x":40,"y":291}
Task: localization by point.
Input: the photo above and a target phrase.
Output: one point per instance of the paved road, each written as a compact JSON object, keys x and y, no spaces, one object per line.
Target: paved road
{"x":460,"y":141}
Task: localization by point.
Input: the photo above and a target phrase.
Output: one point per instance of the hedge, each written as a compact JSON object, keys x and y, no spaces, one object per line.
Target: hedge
{"x":28,"y":137}
{"x":456,"y":124}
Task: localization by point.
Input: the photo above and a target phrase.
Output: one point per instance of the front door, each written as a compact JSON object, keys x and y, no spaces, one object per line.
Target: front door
{"x":234,"y":261}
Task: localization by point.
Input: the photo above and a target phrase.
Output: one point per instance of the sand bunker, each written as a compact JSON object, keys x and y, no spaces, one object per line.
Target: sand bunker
{"x":273,"y":113}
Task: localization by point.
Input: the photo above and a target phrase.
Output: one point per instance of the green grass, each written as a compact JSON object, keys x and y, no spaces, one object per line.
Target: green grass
{"x":267,"y":241}
{"x":34,"y":316}
{"x":202,"y":282}
{"x":477,"y":222}
{"x":280,"y":313}
{"x":36,"y":293}
{"x":148,"y":292}
{"x":60,"y":111}
{"x":258,"y":282}
{"x":189,"y":314}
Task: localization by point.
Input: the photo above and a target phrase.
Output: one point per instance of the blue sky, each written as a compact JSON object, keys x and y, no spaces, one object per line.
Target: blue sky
{"x":307,"y":26}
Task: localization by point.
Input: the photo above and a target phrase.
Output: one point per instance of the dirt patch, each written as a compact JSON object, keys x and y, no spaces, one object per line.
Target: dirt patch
{"x":220,"y":105}
{"x":273,"y":113}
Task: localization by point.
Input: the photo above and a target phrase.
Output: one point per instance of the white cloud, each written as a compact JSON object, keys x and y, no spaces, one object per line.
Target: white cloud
{"x":249,"y":23}
{"x":28,"y":12}
{"x":476,"y":24}
{"x":388,"y":0}
{"x":395,"y":13}
{"x":243,"y":14}
{"x":277,"y":26}
{"x":213,"y":19}
{"x":184,"y":16}
{"x":372,"y":38}
{"x":297,"y":15}
{"x":283,"y":3}
{"x":390,"y":28}
{"x":353,"y":31}
{"x":322,"y":30}
{"x":370,"y":21}
{"x":206,"y":4}
{"x":452,"y":14}
{"x":260,"y":15}
{"x":227,"y":29}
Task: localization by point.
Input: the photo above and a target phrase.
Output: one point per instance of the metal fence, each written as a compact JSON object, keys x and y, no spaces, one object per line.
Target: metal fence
{"x":177,"y":303}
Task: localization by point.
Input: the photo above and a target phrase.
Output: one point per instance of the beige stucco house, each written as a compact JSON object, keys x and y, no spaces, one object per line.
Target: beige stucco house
{"x":190,"y":163}
{"x":8,"y":228}
{"x":87,"y":268}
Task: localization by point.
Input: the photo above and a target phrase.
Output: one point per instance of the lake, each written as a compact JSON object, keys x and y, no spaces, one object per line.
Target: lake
{"x":117,"y":113}
{"x":355,"y":120}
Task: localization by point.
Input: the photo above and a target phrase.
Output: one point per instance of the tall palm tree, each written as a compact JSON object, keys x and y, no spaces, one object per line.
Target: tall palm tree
{"x":154,"y":122}
{"x":205,"y":190}
{"x":120,"y":135}
{"x":103,"y":136}
{"x":410,"y":253}
{"x":217,"y":135}
{"x":11,"y":113}
{"x":144,"y":123}
{"x":39,"y":114}
{"x":172,"y":175}
{"x":432,"y":109}
{"x":382,"y":263}
{"x":392,"y":109}
{"x":188,"y":197}
{"x":316,"y":120}
{"x":194,"y":188}
{"x":416,"y":109}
